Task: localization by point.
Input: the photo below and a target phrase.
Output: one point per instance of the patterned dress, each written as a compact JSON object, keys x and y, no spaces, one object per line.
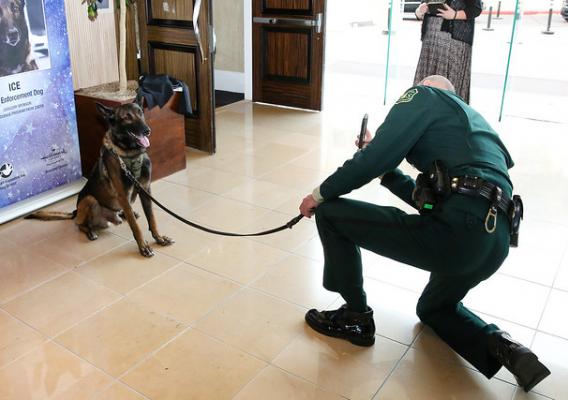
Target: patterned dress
{"x":442,"y":55}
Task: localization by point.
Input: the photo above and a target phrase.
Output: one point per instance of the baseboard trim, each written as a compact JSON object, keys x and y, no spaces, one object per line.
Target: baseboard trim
{"x":230,"y":81}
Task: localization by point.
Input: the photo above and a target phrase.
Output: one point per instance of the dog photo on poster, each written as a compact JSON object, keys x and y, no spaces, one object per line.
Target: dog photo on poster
{"x":39,"y":148}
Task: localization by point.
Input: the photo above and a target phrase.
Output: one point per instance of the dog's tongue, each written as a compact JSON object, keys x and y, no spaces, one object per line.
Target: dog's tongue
{"x":144,"y":141}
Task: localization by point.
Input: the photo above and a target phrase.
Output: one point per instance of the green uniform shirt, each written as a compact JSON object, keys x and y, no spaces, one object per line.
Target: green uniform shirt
{"x":424,"y":125}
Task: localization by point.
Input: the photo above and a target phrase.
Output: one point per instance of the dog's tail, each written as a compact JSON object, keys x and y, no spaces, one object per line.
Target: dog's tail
{"x":51,"y":215}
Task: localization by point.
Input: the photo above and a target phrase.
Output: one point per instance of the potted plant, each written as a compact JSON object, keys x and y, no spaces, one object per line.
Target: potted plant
{"x":123,"y":89}
{"x":167,"y":149}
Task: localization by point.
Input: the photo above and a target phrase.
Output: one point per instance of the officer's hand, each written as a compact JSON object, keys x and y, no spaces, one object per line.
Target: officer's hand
{"x":421,"y":10}
{"x":447,"y":12}
{"x":366,"y":140}
{"x":308,"y":206}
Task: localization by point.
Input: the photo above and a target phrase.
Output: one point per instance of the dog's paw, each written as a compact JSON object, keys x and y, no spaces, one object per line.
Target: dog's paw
{"x":122,"y":215}
{"x":92,"y":235}
{"x":116,"y":219}
{"x":146,"y":250}
{"x":164,"y":240}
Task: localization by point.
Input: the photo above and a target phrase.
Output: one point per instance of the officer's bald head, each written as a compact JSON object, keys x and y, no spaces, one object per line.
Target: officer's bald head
{"x":438,"y":81}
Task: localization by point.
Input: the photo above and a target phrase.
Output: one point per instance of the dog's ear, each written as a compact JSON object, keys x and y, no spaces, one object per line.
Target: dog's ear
{"x":139,"y":100}
{"x":106,"y":112}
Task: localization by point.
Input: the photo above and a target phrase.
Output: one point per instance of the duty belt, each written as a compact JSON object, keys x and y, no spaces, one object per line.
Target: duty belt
{"x":513,"y":208}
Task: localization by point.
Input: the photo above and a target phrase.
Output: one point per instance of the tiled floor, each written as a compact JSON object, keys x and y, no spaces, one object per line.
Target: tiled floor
{"x":222,"y":318}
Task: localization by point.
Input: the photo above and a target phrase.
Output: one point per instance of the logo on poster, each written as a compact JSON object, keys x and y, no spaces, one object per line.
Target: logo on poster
{"x":6,"y":170}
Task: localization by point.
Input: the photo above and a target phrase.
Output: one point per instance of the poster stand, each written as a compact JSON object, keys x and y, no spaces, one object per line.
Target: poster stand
{"x":39,"y":146}
{"x":51,"y":196}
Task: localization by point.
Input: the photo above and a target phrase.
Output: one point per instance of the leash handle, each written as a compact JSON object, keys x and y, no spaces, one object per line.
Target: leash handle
{"x":288,"y":225}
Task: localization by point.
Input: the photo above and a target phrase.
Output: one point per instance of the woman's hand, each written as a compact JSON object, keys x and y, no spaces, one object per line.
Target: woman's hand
{"x":447,"y":12}
{"x":421,"y":10}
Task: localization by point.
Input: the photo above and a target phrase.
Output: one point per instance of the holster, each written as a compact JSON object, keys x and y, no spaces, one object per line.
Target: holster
{"x":516,"y":211}
{"x":431,"y":187}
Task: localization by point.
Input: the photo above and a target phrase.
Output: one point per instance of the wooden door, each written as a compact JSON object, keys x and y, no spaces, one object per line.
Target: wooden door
{"x":176,"y":39}
{"x":288,"y":52}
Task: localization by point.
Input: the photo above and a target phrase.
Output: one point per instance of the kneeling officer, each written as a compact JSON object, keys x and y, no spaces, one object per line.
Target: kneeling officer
{"x":467,"y":220}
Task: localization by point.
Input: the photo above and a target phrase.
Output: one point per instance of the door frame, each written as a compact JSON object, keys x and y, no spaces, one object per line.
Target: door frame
{"x":248,"y":48}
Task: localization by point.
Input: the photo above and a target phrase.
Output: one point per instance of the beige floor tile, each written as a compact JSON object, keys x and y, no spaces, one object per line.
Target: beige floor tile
{"x":71,"y":247}
{"x":228,"y":215}
{"x":184,"y":293}
{"x":207,"y":179}
{"x":280,"y":152}
{"x":26,"y":232}
{"x":509,"y":298}
{"x":299,"y":178}
{"x":292,"y":206}
{"x":338,"y":366}
{"x":535,"y":190}
{"x":242,"y":260}
{"x":180,"y":199}
{"x":118,"y":391}
{"x":262,"y":194}
{"x":269,"y":117}
{"x":394,"y":311}
{"x":123,"y":269}
{"x":393,"y":272}
{"x":16,"y":338}
{"x":421,"y":376}
{"x":552,"y":351}
{"x":119,"y":336}
{"x":561,"y":281}
{"x":287,"y":239}
{"x":533,"y":265}
{"x":219,"y":160}
{"x":298,"y":280}
{"x":188,"y":240}
{"x":196,"y":367}
{"x":554,"y":317}
{"x":326,"y":160}
{"x":539,"y":254}
{"x":521,"y":395}
{"x":60,"y":303}
{"x":22,"y":269}
{"x":311,"y":249}
{"x":275,"y":384}
{"x":237,"y":141}
{"x":306,"y":141}
{"x":251,"y":165}
{"x":255,"y":323}
{"x":51,"y":372}
{"x":428,"y":341}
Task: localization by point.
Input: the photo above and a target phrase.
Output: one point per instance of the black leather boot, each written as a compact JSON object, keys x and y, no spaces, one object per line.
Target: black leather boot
{"x":518,"y":359}
{"x":357,"y":327}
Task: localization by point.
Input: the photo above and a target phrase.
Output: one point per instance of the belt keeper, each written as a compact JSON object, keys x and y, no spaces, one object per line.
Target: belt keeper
{"x":491,"y":218}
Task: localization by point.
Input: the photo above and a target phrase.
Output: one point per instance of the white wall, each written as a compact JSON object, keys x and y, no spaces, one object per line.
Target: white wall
{"x":228,"y":19}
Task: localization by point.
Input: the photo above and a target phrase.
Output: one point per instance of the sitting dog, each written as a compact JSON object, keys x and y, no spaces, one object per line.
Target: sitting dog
{"x":108,"y":194}
{"x":15,"y":48}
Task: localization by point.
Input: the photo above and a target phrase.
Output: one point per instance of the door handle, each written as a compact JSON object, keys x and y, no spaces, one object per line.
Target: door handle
{"x":317,"y":22}
{"x":196,"y":12}
{"x":212,"y":40}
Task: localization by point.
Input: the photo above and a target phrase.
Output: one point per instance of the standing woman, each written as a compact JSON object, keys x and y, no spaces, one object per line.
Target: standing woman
{"x":446,"y":43}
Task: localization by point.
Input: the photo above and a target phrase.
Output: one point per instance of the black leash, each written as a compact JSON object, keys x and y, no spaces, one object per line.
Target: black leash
{"x":288,"y":225}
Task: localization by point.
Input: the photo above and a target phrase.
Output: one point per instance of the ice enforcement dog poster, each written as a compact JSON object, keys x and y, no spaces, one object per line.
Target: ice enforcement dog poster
{"x":39,"y":148}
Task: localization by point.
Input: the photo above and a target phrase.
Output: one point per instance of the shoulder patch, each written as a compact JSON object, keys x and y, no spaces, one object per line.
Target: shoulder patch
{"x":408,"y":96}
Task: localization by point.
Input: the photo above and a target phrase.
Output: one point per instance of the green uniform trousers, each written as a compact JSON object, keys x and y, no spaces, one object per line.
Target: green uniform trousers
{"x":451,"y":243}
